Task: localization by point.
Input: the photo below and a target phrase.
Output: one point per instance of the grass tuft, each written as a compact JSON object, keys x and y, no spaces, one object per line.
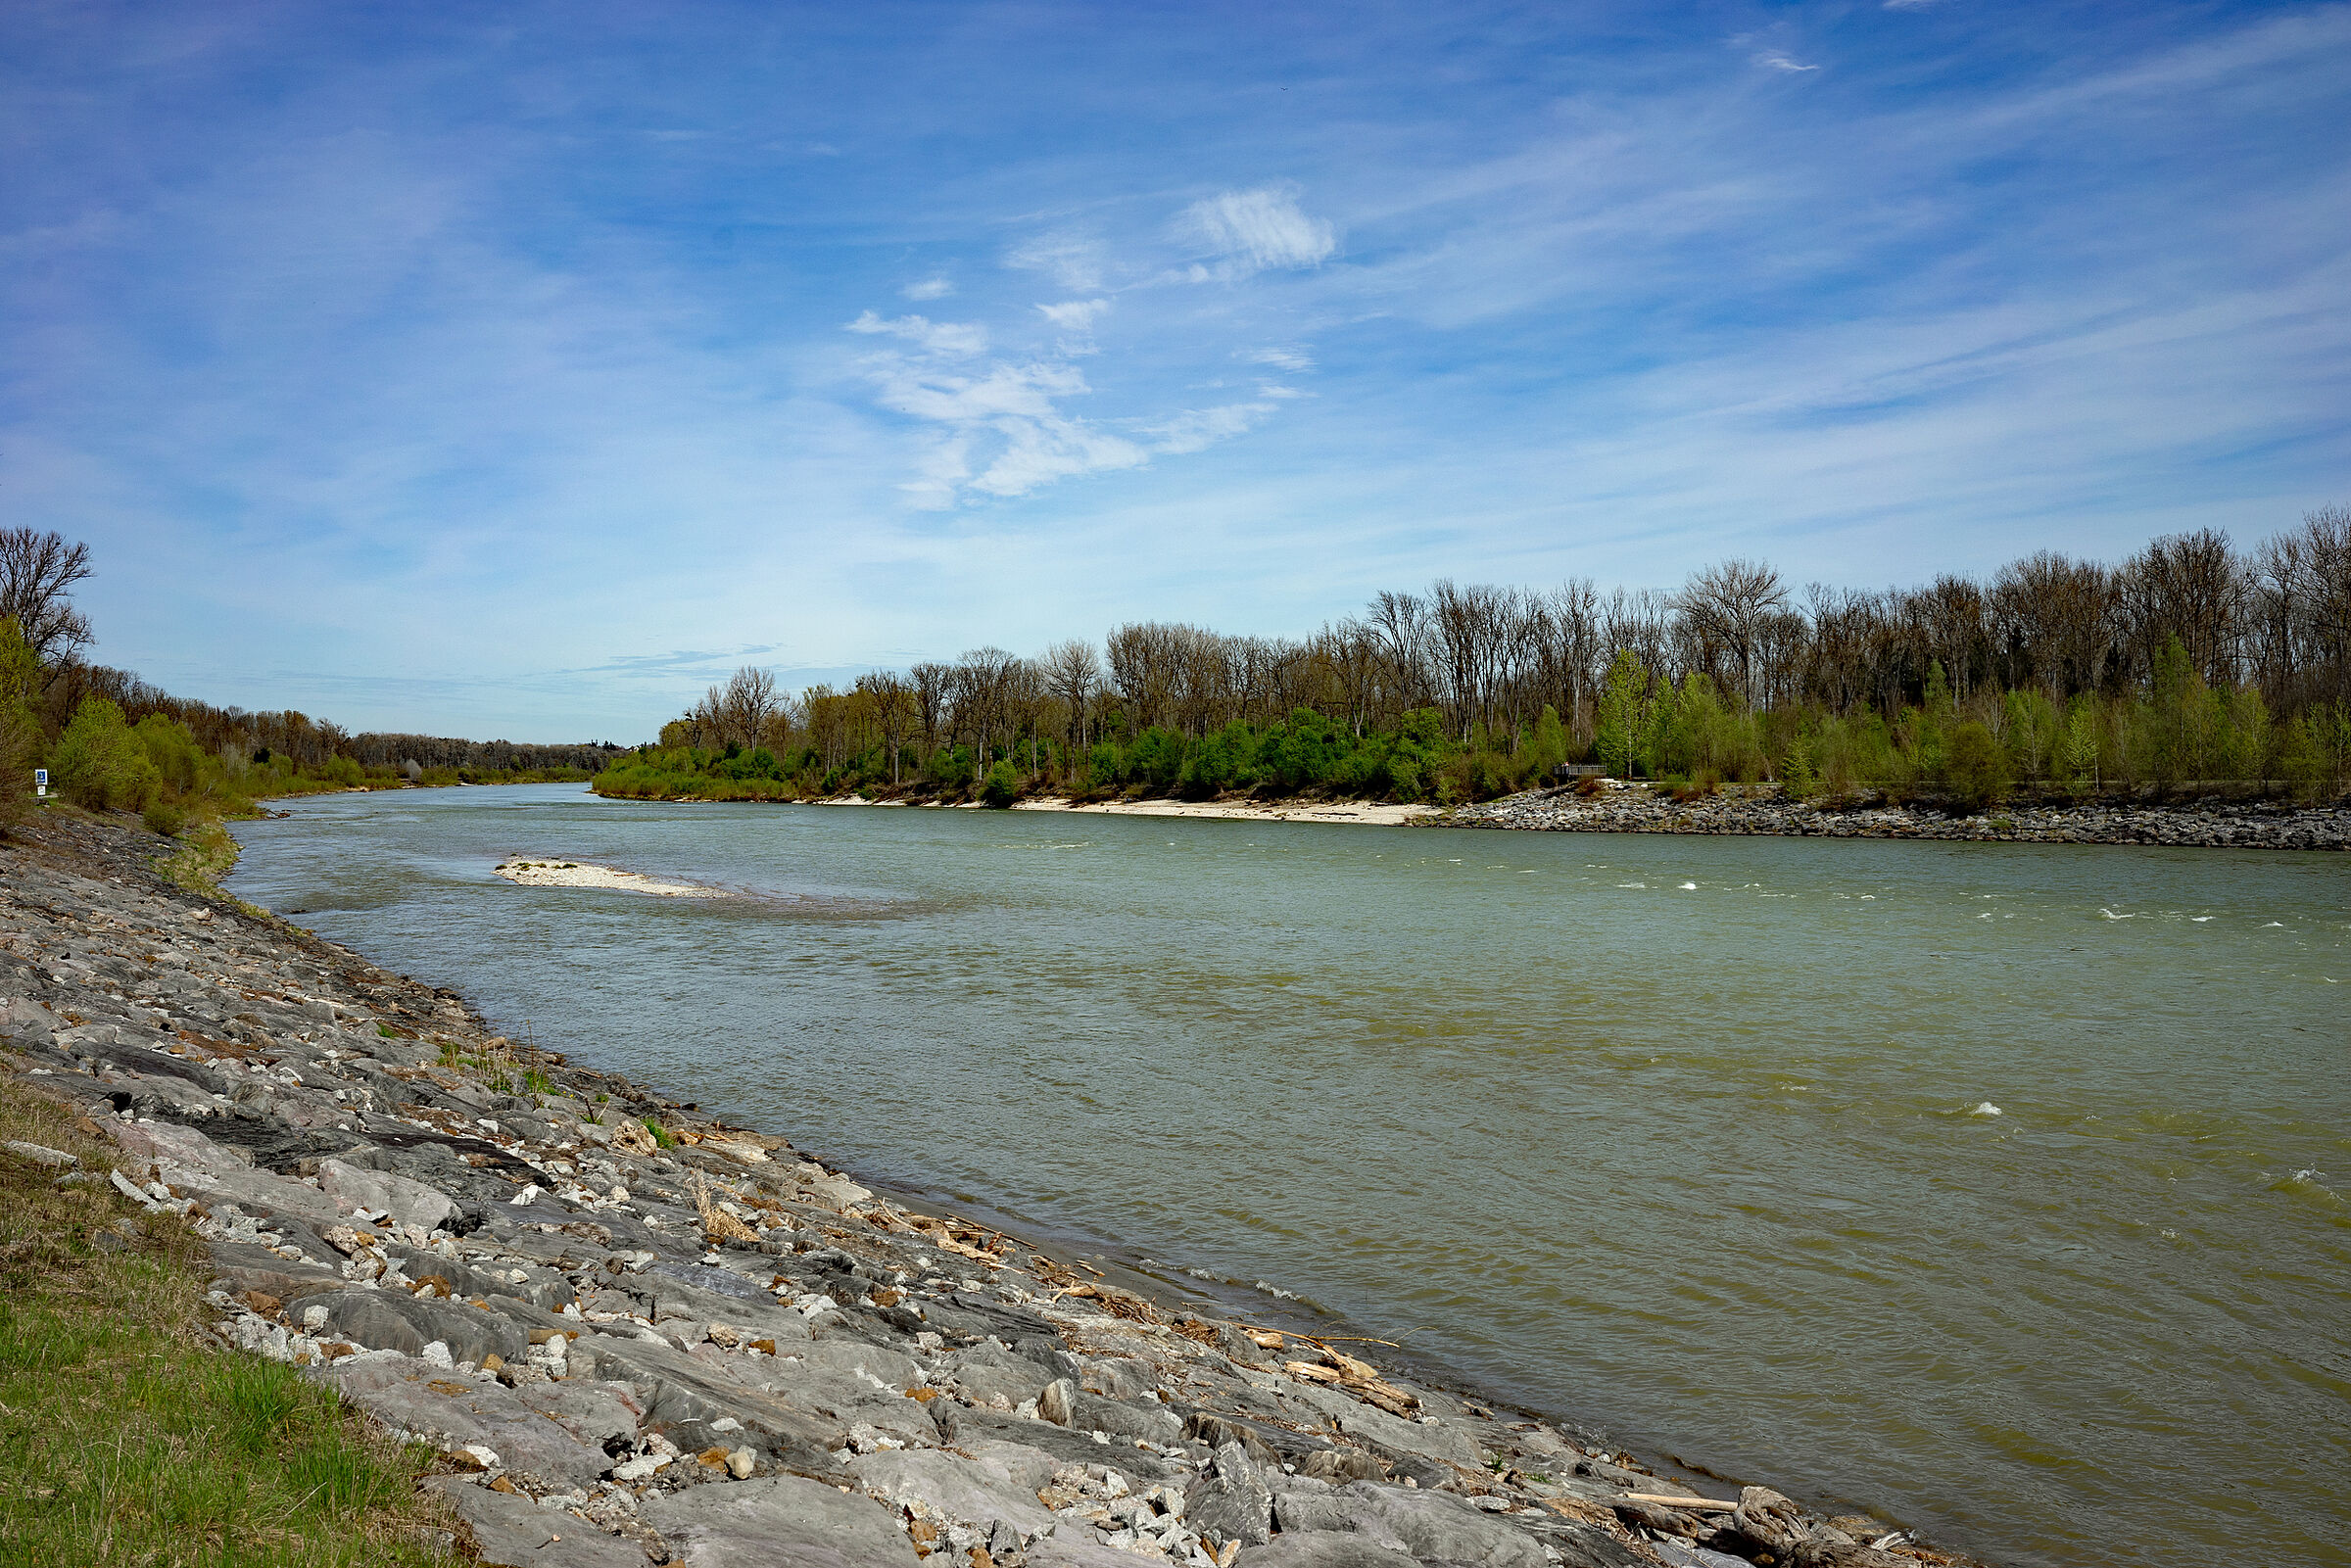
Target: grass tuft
{"x":124,"y":1440}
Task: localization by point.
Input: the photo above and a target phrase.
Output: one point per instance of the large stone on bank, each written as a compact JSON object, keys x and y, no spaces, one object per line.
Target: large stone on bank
{"x":985,"y":1372}
{"x":407,"y":1202}
{"x":1069,"y":1549}
{"x":513,"y":1532}
{"x":395,"y":1320}
{"x":685,"y":1397}
{"x":257,"y":1269}
{"x":1236,"y":1503}
{"x":973,"y":1491}
{"x":1435,"y":1527}
{"x":786,"y":1522}
{"x":1433,"y":1440}
{"x":558,"y":1437}
{"x":1325,"y":1548}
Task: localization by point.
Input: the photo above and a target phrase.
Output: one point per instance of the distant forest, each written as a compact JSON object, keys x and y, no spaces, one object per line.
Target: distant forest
{"x":2192,"y":665}
{"x":111,"y":739}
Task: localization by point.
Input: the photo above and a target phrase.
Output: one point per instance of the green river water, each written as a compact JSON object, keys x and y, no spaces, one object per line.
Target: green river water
{"x":1997,"y":1190}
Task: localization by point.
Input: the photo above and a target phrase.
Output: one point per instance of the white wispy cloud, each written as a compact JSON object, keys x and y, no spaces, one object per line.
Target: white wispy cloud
{"x":929,"y":289}
{"x":1294,"y":360}
{"x":939,"y":337}
{"x":1258,"y":230}
{"x":1075,"y":260}
{"x":1198,"y":429}
{"x":1075,"y":315}
{"x":1778,"y":60}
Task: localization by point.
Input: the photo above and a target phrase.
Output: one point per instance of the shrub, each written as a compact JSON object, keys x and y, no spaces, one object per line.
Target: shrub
{"x":1975,"y":766}
{"x":163,"y":817}
{"x":99,"y":762}
{"x":1004,"y":785}
{"x":20,"y":732}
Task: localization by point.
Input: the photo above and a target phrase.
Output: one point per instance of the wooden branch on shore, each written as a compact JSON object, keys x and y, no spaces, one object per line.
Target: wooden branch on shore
{"x":1690,"y":1504}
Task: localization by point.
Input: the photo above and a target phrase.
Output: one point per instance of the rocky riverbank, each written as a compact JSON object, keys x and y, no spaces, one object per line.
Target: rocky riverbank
{"x":641,"y":1335}
{"x":1622,"y":808}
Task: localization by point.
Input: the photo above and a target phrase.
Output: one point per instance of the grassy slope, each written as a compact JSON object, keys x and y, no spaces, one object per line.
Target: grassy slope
{"x":125,"y":1438}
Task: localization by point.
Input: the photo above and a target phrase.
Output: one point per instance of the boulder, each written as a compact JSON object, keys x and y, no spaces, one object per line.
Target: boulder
{"x":782,"y":1522}
{"x":513,"y":1532}
{"x":450,"y":1412}
{"x":395,"y":1320}
{"x":407,"y":1202}
{"x":973,"y":1491}
{"x":1436,"y":1527}
{"x":1323,"y":1549}
{"x":1235,"y":1504}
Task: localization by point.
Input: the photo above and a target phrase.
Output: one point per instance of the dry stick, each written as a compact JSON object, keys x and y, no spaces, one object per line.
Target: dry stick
{"x":1322,"y":1342}
{"x":1696,"y":1504}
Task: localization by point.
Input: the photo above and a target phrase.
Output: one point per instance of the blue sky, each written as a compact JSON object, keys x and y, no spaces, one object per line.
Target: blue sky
{"x":514,"y":370}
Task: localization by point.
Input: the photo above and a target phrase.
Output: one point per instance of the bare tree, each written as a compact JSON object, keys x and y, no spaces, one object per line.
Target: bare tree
{"x":894,"y":708}
{"x":745,"y":705}
{"x":1723,"y":609}
{"x":37,"y":571}
{"x":931,"y":685}
{"x":2192,"y":587}
{"x":1073,"y":673}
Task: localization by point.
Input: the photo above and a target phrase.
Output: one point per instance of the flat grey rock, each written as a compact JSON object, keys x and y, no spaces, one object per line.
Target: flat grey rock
{"x":1436,"y":1527}
{"x":781,"y":1522}
{"x":1323,"y":1549}
{"x":1069,"y":1549}
{"x":452,"y":1411}
{"x":1236,"y":1505}
{"x":395,"y":1320}
{"x":516,"y":1533}
{"x":975,"y":1492}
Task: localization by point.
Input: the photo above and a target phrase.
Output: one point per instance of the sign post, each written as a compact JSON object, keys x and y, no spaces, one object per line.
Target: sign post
{"x":40,"y":782}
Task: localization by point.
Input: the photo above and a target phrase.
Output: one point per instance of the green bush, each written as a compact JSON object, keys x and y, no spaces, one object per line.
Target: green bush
{"x":1975,"y":766}
{"x":20,"y":732}
{"x":99,"y":762}
{"x":163,"y":817}
{"x":1004,"y":785}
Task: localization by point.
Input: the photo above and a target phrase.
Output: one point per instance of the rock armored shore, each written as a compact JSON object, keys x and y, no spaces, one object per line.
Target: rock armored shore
{"x":705,"y":1348}
{"x":1637,"y":809}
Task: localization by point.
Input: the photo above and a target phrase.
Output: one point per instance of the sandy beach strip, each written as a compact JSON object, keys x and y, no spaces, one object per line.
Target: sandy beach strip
{"x":1365,"y":813}
{"x":580,"y":874}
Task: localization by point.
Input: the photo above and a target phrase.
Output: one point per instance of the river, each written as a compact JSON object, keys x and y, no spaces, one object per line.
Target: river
{"x":1999,"y":1190}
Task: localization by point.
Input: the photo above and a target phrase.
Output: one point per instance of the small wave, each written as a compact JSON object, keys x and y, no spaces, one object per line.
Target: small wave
{"x":1632,"y":885}
{"x":2274,"y":924}
{"x":1208,"y":1274}
{"x":1688,"y":888}
{"x":1986,"y":1109}
{"x":2111,"y":915}
{"x":2313,"y":1182}
{"x":1274,"y":1291}
{"x":2199,"y":918}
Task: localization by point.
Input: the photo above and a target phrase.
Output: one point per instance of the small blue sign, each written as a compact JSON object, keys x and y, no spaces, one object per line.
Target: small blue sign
{"x":40,"y":776}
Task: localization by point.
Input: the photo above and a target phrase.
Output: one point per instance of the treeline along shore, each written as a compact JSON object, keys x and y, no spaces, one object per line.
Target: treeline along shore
{"x":616,"y":1329}
{"x":2191,"y":668}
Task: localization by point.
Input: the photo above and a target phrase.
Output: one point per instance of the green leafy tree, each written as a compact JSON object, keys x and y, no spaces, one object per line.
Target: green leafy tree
{"x":1002,"y":785}
{"x":1975,"y":766}
{"x":1547,"y":747}
{"x":20,"y":731}
{"x":2078,"y":747}
{"x":98,"y":761}
{"x":1624,"y":712}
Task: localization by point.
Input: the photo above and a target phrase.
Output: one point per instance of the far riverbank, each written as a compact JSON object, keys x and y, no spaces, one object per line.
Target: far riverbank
{"x":1632,"y":808}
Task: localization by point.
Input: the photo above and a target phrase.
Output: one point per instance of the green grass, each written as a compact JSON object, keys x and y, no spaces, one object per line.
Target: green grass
{"x":207,"y":851}
{"x":125,"y":1440}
